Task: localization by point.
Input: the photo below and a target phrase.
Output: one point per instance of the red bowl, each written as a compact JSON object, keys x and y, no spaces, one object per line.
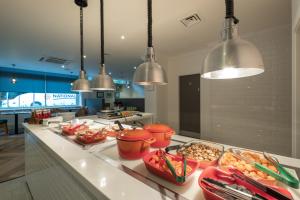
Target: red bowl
{"x":223,"y":176}
{"x":166,"y":175}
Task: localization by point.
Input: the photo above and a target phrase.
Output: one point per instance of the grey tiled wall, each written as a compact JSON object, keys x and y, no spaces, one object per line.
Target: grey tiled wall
{"x":254,"y":112}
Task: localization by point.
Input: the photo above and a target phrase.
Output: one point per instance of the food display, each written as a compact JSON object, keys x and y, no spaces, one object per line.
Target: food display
{"x":206,"y":153}
{"x":156,"y":163}
{"x":88,"y":136}
{"x":134,"y":144}
{"x":230,"y":160}
{"x":223,"y":185}
{"x":70,"y":129}
{"x":111,"y":130}
{"x":217,"y":180}
{"x":162,"y":133}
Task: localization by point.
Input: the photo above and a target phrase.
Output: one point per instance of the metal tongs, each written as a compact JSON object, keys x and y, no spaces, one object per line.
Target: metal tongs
{"x":121,"y":128}
{"x":284,"y":176}
{"x":229,"y":190}
{"x":236,"y":174}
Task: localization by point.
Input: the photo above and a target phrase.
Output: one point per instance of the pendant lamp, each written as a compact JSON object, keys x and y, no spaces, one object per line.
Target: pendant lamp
{"x":150,"y":72}
{"x":81,"y":84}
{"x":232,"y":57}
{"x":103,"y":81}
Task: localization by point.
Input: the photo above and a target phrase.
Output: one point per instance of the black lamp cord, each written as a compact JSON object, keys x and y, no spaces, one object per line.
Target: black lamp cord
{"x":81,"y":40}
{"x":102,"y":31}
{"x":230,"y":11}
{"x":150,"y":23}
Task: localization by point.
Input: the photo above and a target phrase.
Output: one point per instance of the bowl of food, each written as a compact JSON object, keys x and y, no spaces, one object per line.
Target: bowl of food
{"x":155,"y":162}
{"x":89,"y":136}
{"x":229,"y":178}
{"x":243,"y":164}
{"x":70,"y":129}
{"x":204,"y":152}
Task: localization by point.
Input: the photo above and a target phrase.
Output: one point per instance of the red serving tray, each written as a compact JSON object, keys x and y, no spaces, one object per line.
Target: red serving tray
{"x":218,"y":174}
{"x":165,"y":175}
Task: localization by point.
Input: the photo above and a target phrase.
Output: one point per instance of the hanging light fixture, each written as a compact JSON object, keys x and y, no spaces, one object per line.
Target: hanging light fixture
{"x":233,"y":57}
{"x":150,"y":72}
{"x":103,"y":81}
{"x":81,"y":84}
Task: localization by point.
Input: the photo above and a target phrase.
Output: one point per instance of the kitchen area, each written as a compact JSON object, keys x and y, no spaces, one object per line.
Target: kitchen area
{"x":125,"y":100}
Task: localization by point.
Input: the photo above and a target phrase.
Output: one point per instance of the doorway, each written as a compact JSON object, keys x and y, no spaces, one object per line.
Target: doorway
{"x":189,"y":105}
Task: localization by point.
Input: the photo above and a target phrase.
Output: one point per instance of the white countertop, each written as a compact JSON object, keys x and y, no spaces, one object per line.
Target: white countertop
{"x":112,"y":182}
{"x":123,"y":119}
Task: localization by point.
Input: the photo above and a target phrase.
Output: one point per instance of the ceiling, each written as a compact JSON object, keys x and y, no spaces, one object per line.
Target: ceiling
{"x":33,"y":29}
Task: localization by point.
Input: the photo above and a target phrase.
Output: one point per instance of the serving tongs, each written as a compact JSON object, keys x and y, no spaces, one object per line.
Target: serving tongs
{"x":77,"y":126}
{"x":284,"y":176}
{"x":121,"y":128}
{"x":236,"y":174}
{"x":179,"y":179}
{"x":138,"y":124}
{"x":178,"y":146}
{"x":227,"y":189}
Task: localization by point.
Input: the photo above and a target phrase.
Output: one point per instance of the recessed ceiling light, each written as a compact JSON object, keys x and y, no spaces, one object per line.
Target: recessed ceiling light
{"x":84,"y":56}
{"x":13,"y":80}
{"x":122,"y":37}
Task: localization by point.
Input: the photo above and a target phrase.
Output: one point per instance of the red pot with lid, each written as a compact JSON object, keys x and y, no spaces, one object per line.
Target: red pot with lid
{"x":134,"y":144}
{"x":162,"y":133}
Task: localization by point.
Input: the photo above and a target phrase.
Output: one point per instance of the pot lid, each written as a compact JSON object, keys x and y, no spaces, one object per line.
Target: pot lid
{"x":133,"y":135}
{"x":157,"y":128}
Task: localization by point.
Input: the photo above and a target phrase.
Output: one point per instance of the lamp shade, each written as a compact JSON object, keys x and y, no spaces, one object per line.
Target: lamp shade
{"x":102,"y":81}
{"x":81,"y":84}
{"x":232,"y":58}
{"x":150,"y":72}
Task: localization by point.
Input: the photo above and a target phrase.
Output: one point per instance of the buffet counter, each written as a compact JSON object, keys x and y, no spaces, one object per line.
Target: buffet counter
{"x":59,"y":169}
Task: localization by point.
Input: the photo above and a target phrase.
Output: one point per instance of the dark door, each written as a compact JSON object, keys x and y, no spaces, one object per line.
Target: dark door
{"x":189,"y":102}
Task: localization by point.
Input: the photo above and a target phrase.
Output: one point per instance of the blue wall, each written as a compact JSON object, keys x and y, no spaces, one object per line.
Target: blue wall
{"x":29,"y":81}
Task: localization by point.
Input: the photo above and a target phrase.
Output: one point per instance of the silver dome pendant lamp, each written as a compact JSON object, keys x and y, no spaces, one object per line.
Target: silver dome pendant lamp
{"x":102,"y":81}
{"x":233,"y":57}
{"x":81,"y":84}
{"x":150,"y":72}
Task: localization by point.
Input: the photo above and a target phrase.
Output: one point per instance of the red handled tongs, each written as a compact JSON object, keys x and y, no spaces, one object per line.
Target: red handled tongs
{"x":270,"y":191}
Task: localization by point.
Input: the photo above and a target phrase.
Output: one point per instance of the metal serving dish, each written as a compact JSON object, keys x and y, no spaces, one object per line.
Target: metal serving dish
{"x":204,"y":152}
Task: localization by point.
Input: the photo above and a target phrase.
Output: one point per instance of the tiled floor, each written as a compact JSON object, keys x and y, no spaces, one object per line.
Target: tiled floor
{"x":12,"y":164}
{"x":15,"y":189}
{"x":12,"y":168}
